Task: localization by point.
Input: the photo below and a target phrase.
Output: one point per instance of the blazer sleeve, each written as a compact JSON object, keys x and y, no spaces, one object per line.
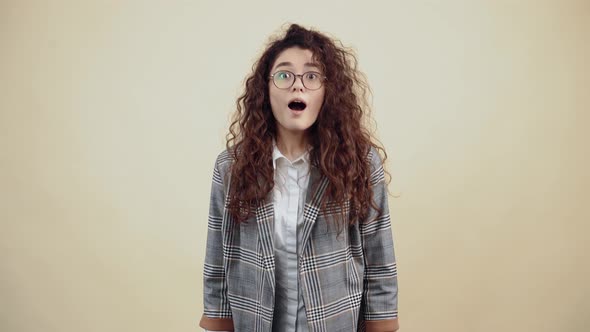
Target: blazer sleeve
{"x":380,"y":278}
{"x":217,"y":312}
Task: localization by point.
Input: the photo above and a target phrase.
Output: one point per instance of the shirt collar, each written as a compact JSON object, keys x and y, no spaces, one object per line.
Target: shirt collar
{"x":277,"y":154}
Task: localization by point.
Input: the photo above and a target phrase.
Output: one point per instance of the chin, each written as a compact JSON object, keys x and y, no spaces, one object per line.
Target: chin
{"x":295,"y":128}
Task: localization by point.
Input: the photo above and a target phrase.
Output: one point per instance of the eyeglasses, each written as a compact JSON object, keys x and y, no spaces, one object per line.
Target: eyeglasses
{"x":285,"y":79}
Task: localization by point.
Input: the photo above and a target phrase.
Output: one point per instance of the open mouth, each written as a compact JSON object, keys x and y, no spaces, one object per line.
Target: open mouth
{"x":297,"y":105}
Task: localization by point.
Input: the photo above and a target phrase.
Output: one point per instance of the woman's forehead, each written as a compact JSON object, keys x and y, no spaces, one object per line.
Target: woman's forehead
{"x":295,"y":57}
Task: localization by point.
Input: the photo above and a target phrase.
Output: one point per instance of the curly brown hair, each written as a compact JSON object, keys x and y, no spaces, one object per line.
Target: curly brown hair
{"x":340,"y":138}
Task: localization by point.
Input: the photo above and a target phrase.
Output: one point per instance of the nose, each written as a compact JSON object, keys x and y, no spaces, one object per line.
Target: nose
{"x":298,"y":84}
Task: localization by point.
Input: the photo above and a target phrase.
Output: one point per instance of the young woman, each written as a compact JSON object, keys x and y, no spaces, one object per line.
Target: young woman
{"x":299,"y":234}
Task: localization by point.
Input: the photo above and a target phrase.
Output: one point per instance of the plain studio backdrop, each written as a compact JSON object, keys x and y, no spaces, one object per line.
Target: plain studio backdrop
{"x":112,"y":114}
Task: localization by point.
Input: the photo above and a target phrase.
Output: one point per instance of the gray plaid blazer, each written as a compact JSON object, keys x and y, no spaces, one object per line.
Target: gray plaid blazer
{"x":348,"y":280}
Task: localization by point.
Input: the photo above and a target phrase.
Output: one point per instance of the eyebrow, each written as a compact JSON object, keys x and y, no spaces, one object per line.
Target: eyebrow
{"x":289,"y":64}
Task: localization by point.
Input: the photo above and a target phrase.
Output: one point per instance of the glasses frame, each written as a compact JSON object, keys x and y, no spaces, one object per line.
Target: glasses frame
{"x":300,"y":76}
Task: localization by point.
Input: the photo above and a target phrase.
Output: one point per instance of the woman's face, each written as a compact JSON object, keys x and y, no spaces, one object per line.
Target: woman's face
{"x":295,"y":107}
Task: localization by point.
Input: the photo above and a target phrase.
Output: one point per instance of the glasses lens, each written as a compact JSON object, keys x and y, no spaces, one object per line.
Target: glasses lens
{"x":283,"y":79}
{"x":312,"y":80}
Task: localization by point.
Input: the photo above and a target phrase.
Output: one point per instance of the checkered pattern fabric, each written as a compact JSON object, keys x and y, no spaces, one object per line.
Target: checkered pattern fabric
{"x":348,"y":278}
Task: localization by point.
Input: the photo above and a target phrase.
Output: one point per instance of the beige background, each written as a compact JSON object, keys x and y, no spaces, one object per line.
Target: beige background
{"x":112,"y":114}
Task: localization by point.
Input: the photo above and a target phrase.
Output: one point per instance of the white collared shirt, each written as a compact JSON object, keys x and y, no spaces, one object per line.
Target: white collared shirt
{"x":291,"y":182}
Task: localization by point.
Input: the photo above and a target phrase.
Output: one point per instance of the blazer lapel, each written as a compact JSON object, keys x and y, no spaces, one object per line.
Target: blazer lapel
{"x":265,"y":221}
{"x":312,"y":202}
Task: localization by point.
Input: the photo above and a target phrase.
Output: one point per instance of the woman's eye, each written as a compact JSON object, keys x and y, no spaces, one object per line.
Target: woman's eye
{"x":311,"y":76}
{"x":283,"y":75}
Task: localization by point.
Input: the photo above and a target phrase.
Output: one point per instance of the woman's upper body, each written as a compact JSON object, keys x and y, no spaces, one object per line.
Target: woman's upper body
{"x":305,"y":97}
{"x":348,"y":277}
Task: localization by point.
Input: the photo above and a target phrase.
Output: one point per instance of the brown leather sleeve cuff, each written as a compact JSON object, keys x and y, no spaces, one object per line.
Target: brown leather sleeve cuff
{"x":216,"y":324}
{"x":384,"y":325}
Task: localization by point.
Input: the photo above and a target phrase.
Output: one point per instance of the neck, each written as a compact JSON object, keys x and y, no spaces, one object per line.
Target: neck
{"x":292,"y":145}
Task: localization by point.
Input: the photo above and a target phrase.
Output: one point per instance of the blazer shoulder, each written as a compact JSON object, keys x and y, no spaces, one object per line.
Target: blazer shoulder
{"x":222,"y":168}
{"x":224,"y":160}
{"x":376,"y":166}
{"x":374,"y":158}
